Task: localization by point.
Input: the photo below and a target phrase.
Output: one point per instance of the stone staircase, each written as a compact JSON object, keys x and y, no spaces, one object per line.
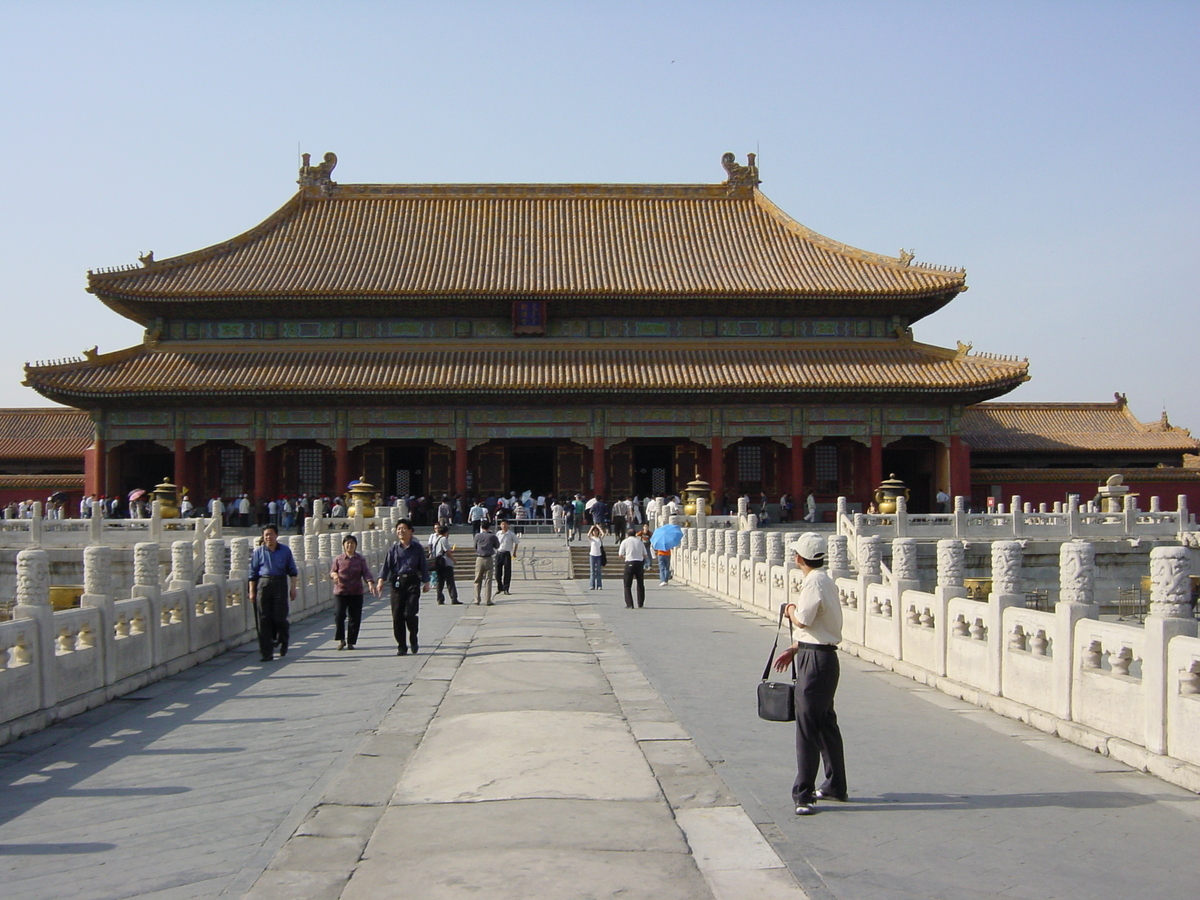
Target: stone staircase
{"x":580,"y":565}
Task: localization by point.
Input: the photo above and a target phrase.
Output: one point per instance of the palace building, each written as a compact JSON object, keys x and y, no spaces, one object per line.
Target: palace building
{"x":476,"y":339}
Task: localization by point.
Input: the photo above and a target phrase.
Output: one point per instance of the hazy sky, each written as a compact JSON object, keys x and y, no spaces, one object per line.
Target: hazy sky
{"x":1051,"y":148}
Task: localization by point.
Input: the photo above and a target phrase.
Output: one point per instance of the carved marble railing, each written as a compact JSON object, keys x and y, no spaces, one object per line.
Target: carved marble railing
{"x":54,"y":664}
{"x":1132,"y":691}
{"x":1062,"y":521}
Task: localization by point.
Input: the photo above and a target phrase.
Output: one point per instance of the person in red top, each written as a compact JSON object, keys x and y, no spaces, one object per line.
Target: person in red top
{"x":350,"y":573}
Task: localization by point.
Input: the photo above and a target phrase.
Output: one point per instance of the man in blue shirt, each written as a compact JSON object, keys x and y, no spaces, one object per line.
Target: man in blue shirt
{"x":271,"y":567}
{"x":405,"y":567}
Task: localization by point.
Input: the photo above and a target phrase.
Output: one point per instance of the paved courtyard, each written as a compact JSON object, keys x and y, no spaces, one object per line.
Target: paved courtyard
{"x":559,"y":745}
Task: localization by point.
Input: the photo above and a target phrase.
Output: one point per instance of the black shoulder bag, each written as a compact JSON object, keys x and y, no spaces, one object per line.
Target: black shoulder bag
{"x":777,"y":699}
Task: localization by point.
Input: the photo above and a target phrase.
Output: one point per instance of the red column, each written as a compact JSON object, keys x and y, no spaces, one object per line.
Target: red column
{"x":460,"y":467}
{"x":598,"y":466}
{"x":341,"y":466}
{"x":798,"y":485}
{"x":93,"y":469}
{"x":262,"y":484}
{"x":717,"y":468}
{"x":960,"y":468}
{"x":876,"y":461}
{"x":181,"y":476}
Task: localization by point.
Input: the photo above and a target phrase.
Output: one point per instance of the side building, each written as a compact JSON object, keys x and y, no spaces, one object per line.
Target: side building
{"x":477,"y":339}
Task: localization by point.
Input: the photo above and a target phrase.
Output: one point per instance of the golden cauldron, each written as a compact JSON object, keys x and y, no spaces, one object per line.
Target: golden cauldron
{"x":697,"y":488}
{"x":888,"y":493}
{"x":365,"y":492}
{"x":167,"y":496}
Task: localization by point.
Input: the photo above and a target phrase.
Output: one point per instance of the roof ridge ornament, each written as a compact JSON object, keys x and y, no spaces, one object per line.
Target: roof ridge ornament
{"x":318,"y":175}
{"x":740,"y":176}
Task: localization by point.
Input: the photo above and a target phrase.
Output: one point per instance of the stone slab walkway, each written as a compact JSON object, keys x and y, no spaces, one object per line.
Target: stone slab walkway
{"x":559,"y":745}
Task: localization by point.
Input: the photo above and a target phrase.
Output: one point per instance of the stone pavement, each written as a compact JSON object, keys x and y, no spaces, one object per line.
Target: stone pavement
{"x":559,"y":745}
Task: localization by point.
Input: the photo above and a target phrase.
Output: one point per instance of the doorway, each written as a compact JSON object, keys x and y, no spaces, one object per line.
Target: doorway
{"x":531,"y":469}
{"x":652,"y":468}
{"x":406,"y":466}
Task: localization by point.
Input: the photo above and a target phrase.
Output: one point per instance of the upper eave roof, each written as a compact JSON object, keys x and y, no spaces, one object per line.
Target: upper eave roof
{"x":1067,"y":427}
{"x":515,"y":367}
{"x":33,"y":433}
{"x":528,"y":241}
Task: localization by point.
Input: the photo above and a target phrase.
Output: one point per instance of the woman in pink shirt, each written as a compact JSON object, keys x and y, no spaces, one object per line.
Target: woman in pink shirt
{"x":348,"y":574}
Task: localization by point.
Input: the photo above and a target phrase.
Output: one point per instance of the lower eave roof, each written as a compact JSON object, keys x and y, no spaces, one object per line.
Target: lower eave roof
{"x":168,"y":372}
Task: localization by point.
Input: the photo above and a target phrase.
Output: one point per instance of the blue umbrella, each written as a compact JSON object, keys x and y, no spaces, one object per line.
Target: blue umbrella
{"x":667,"y":537}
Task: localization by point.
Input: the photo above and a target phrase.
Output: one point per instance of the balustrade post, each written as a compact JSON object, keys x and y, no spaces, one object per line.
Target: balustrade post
{"x":98,"y":594}
{"x":901,"y":517}
{"x":183,"y":572}
{"x":1170,"y":616}
{"x":96,"y":524}
{"x":33,"y":603}
{"x":904,"y":578}
{"x":36,"y":524}
{"x":1006,"y":591}
{"x":1076,"y":601}
{"x":838,"y":557}
{"x":951,"y":569}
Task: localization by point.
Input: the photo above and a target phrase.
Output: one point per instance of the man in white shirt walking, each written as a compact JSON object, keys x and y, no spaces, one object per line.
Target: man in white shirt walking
{"x":633,"y":551}
{"x":504,"y":555}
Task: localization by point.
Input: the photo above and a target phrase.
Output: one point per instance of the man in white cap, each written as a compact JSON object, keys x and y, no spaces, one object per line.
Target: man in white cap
{"x":817,"y":617}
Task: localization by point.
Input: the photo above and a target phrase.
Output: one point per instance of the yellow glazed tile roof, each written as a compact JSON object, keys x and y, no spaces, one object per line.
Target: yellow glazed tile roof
{"x":44,"y":433}
{"x":1066,"y":427}
{"x":531,"y":241}
{"x":888,"y":368}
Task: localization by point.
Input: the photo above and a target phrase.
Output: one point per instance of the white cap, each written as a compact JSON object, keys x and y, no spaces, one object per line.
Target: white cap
{"x":810,"y":546}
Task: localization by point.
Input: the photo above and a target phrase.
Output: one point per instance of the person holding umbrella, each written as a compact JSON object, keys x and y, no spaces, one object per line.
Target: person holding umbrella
{"x":665,"y":539}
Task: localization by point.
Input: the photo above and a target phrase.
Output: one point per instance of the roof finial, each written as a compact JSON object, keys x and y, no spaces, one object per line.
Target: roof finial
{"x":146,"y":258}
{"x":1120,"y":398}
{"x":740,"y":176}
{"x":906,"y":256}
{"x":317,"y":175}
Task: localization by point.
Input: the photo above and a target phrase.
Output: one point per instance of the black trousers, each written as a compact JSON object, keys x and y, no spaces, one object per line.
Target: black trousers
{"x":445,"y":581}
{"x":818,"y":738}
{"x":619,"y":528}
{"x":272,"y":611}
{"x":406,"y":604}
{"x":348,"y":605}
{"x":635,"y":571}
{"x":503,"y":570}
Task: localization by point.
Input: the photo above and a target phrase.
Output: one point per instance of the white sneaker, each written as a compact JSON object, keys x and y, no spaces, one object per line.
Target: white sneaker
{"x":806,"y":810}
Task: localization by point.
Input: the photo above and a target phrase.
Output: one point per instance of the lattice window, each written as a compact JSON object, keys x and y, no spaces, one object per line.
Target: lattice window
{"x":749,"y":467}
{"x":491,"y":473}
{"x":403,"y":482}
{"x":826,"y":472}
{"x":233,"y":461}
{"x":310,"y":465}
{"x":658,"y":481}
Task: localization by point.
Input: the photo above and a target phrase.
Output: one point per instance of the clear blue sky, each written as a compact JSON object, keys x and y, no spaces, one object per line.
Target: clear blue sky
{"x":1051,"y":148}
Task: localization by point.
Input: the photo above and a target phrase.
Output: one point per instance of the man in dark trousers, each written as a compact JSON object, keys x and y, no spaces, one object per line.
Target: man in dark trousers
{"x":272,"y":584}
{"x":818,"y":619}
{"x":406,"y":570}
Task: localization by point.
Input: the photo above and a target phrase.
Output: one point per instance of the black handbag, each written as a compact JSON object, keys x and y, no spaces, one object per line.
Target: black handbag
{"x":777,"y":699}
